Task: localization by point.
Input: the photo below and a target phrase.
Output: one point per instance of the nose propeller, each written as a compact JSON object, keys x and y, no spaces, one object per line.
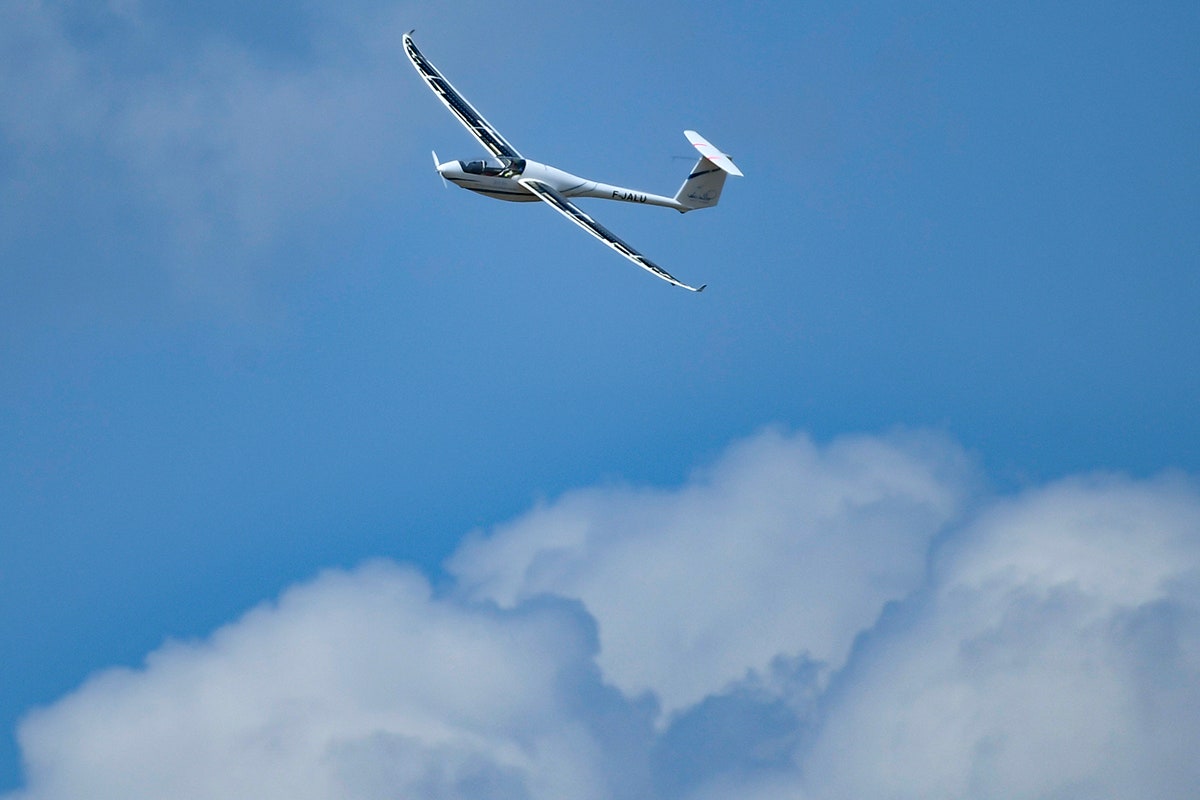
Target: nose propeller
{"x":437,"y":164}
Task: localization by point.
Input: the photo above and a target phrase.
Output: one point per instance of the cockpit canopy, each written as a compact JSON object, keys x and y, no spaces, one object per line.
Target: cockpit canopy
{"x":502,"y":168}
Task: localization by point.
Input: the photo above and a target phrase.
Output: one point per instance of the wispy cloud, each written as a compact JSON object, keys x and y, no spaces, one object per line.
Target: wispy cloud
{"x":222,"y":146}
{"x":852,"y":619}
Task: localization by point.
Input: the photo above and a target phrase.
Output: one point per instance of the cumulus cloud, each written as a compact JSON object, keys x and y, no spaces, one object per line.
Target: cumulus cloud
{"x":1054,"y":653}
{"x":357,"y":684}
{"x":855,"y":621}
{"x":781,"y":548}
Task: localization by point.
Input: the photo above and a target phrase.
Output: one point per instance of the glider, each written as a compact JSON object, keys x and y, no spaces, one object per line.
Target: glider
{"x":507,"y":175}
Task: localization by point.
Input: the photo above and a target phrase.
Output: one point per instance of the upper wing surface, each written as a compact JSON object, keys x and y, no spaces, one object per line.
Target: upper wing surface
{"x":576,"y":215}
{"x":471,"y":119}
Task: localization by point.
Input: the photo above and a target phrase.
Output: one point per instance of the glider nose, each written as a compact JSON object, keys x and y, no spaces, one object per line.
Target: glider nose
{"x":446,"y":169}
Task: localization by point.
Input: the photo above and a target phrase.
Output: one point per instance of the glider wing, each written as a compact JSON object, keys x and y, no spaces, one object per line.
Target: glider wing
{"x":471,"y":119}
{"x":572,"y":212}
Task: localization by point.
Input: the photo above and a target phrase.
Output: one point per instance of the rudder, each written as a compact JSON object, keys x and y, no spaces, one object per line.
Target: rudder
{"x":703,"y":186}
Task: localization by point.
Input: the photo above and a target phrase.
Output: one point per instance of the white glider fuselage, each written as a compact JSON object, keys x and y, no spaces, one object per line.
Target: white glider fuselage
{"x":507,"y":175}
{"x":499,"y":178}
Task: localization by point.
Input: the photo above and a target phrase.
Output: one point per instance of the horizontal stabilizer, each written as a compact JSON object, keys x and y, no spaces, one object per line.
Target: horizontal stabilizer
{"x":709,"y":151}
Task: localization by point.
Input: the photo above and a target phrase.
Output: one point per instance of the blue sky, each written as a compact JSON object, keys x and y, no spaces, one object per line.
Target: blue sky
{"x":246,"y":336}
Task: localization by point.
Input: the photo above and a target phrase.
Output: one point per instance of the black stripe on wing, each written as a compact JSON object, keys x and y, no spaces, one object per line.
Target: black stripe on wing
{"x":474,"y":122}
{"x":576,"y":215}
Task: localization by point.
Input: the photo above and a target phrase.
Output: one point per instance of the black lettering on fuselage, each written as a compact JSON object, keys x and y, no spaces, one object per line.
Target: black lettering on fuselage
{"x":628,"y":197}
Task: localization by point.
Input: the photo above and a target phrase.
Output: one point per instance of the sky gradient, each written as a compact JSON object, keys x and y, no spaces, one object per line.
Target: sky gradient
{"x":275,"y":403}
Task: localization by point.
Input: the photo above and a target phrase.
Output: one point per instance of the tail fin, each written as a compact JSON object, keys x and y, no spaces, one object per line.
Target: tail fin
{"x":703,"y":186}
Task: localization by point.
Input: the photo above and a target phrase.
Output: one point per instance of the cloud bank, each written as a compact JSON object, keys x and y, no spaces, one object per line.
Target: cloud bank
{"x":854,"y":619}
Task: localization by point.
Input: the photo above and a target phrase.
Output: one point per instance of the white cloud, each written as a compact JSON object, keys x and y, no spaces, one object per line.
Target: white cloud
{"x":1048,"y":646}
{"x":782,"y":547}
{"x":1056,"y":653}
{"x":357,"y":684}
